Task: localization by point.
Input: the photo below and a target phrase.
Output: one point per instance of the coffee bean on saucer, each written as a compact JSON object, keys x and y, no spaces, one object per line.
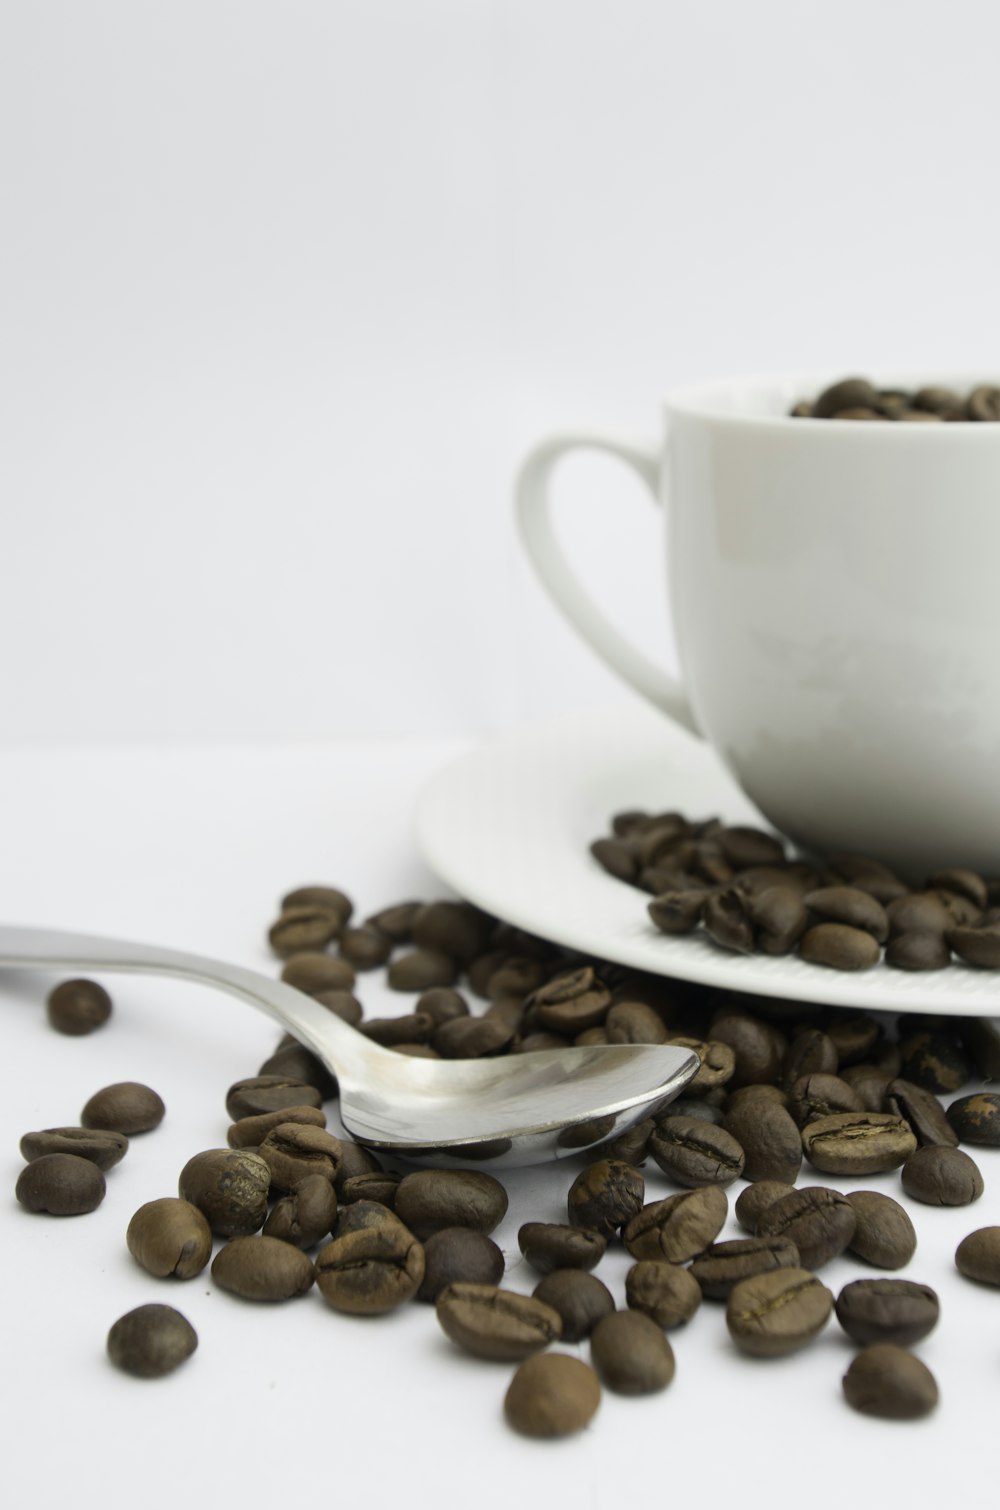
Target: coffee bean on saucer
{"x":151,"y":1341}
{"x":552,"y":1395}
{"x":170,"y":1237}
{"x":978,"y":1256}
{"x":101,"y":1146}
{"x":887,"y":1381}
{"x":496,"y":1324}
{"x":839,"y":947}
{"x":976,"y":946}
{"x":456,"y":1255}
{"x":887,"y":1310}
{"x":605,"y":1196}
{"x":779,"y":917}
{"x":630,"y":1354}
{"x":848,"y":393}
{"x":550,"y":1245}
{"x":262,"y":1268}
{"x":974,"y":1119}
{"x":883,"y":1232}
{"x":942,"y":1176}
{"x":60,"y":1184}
{"x":726,"y":919}
{"x":126,"y":1107}
{"x":76,"y":1007}
{"x":678,"y":911}
{"x":776,"y":1313}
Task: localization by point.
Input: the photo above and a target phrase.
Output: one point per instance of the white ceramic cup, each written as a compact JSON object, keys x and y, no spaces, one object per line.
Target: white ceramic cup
{"x":835,"y":594}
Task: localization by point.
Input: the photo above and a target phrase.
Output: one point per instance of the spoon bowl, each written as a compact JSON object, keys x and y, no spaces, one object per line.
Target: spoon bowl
{"x":515,"y":1110}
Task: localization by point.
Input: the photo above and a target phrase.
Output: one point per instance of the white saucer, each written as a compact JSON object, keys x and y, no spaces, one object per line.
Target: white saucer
{"x":508,"y":827}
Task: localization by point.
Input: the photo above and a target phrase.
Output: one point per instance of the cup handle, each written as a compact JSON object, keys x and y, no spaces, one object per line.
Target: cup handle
{"x":534,"y":516}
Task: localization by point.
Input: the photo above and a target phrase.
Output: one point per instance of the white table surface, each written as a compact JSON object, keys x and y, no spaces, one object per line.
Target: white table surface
{"x":192,"y":848}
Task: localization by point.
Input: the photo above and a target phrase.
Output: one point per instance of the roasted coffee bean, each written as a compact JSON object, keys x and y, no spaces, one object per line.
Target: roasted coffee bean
{"x":692,"y":1152}
{"x":717,"y":1064}
{"x":76,"y":1007}
{"x":413,"y":1028}
{"x":342,"y":1004}
{"x":456,"y":1255}
{"x":377,"y":1185}
{"x":941,"y":1176}
{"x":821,"y":1095}
{"x":770,"y":1140}
{"x":580,"y":1298}
{"x":973,"y":1119}
{"x":126,"y":1107}
{"x":421,"y":970}
{"x":752,"y":1202}
{"x":262,"y":1268}
{"x":839,"y":947}
{"x":883,"y":1233}
{"x":755,"y":1045}
{"x":922,"y":1111}
{"x":983,"y":403}
{"x":366,"y":948}
{"x":552,"y":1395}
{"x":293,"y":1150}
{"x":457,"y":929}
{"x":744,"y":846}
{"x":305,"y":1215}
{"x":605,"y":1196}
{"x":441,"y":1004}
{"x":508,"y":1010}
{"x":978,"y":1256}
{"x":396,"y":921}
{"x":934,"y":1060}
{"x":679,"y":911}
{"x":678,"y":1228}
{"x":820,"y":1222}
{"x":616,"y":858}
{"x":724,"y":1265}
{"x":229,"y":1185}
{"x":472,"y":1037}
{"x":151,"y":1341}
{"x":917,"y":951}
{"x":918,"y":912}
{"x":726,"y":919}
{"x":694,"y":1106}
{"x":60,"y":1184}
{"x":779,"y":917}
{"x":976,"y":946}
{"x":887,"y":1310}
{"x":811,"y":1052}
{"x":430,"y":1199}
{"x":848,"y":393}
{"x":571,"y":1002}
{"x":304,"y":929}
{"x":634,"y":1022}
{"x":496,"y":1324}
{"x":869,"y":1083}
{"x":550,"y":1245}
{"x":748,"y":1094}
{"x":887,"y":1381}
{"x":330,"y":897}
{"x":314,"y":973}
{"x":293,"y":1061}
{"x":776,"y":1313}
{"x":259,"y":1094}
{"x":373,"y":1264}
{"x":981,"y":1037}
{"x":516,"y":977}
{"x":170,"y":1237}
{"x":851,"y":906}
{"x":667,"y":1293}
{"x":870,"y":875}
{"x":250,"y":1132}
{"x":854,"y":1036}
{"x":102,"y":1148}
{"x":857,"y":1142}
{"x":631,"y":1354}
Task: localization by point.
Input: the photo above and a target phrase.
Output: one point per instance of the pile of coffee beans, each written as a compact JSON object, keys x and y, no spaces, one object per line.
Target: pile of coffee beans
{"x":857,"y":398}
{"x":737,"y":886}
{"x":289,"y":1208}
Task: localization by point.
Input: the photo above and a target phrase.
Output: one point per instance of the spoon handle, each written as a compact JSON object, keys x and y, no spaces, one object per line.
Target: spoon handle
{"x":337,"y":1045}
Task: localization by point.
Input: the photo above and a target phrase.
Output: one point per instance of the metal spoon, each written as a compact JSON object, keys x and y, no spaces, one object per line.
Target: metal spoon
{"x":520,"y":1109}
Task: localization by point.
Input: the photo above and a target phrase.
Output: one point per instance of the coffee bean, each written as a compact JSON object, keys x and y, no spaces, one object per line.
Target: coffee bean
{"x":811,"y":1052}
{"x":717,"y":1065}
{"x":376,"y":1186}
{"x":422,"y":969}
{"x":849,"y":905}
{"x":779,"y":918}
{"x":151,"y":1341}
{"x":396,"y":921}
{"x":170,"y":1237}
{"x":854,"y":1036}
{"x":550,"y":1245}
{"x":293,"y":1150}
{"x":370,"y":1268}
{"x":631,"y":1354}
{"x":342,"y":1004}
{"x":976,"y":946}
{"x":724,"y":1265}
{"x":250,"y":1132}
{"x":770,"y":1140}
{"x":305,"y":1215}
{"x":634,"y":1022}
{"x":922,"y":1111}
{"x":330,"y":897}
{"x":868,"y":874}
{"x":978,"y":1256}
{"x":983,"y":403}
{"x":76,"y":1007}
{"x":857,"y":1143}
{"x":748,"y":1094}
{"x":571,"y":1002}
{"x":260,"y":1094}
{"x":698,"y":1107}
{"x":848,"y":393}
{"x":755,"y":1199}
{"x":366,"y":948}
{"x":934,"y":1060}
{"x":883,"y":1233}
{"x":304,"y":929}
{"x":230,"y":1187}
{"x":442,"y":1004}
{"x":293,"y":1061}
{"x":677,"y":911}
{"x":839,"y":947}
{"x":314,"y":972}
{"x":981,"y":1037}
{"x":974,"y":1119}
{"x":126,"y":1107}
{"x":692,"y":1152}
{"x":888,"y":1381}
{"x":869,"y":1083}
{"x":819,"y":1095}
{"x":552,"y":1395}
{"x":756,"y":1048}
{"x":430,"y":1199}
{"x":887,"y":1310}
{"x":101,"y":1147}
{"x":456,"y":1255}
{"x":616,"y":858}
{"x":605,"y":1196}
{"x":60,"y":1184}
{"x":496,"y":1324}
{"x":262,"y":1268}
{"x":667,"y":1293}
{"x":456,"y":929}
{"x":776,"y":1313}
{"x":726,"y":919}
{"x":941,"y":1176}
{"x":678,"y":1228}
{"x":580,"y":1298}
{"x":917,"y":951}
{"x":820,"y":1222}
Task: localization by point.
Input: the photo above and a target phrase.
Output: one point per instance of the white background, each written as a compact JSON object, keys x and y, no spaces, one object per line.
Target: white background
{"x":288,"y":289}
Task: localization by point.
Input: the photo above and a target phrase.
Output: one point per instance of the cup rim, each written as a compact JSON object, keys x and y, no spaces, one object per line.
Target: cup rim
{"x":714,"y":399}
